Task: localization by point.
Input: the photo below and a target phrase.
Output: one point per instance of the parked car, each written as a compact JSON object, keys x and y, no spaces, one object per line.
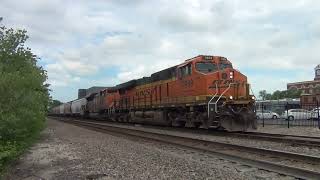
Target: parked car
{"x":315,"y":113}
{"x":266,"y":114}
{"x":293,"y":114}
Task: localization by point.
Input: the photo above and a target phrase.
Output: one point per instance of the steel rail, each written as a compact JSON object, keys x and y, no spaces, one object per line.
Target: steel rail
{"x":292,"y":139}
{"x":282,"y":135}
{"x":217,"y":148}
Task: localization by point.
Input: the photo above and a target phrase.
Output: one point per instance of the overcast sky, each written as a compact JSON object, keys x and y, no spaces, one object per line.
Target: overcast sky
{"x":104,"y":42}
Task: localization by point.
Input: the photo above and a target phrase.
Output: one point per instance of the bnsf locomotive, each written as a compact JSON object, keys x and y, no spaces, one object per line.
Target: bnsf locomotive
{"x":203,"y":91}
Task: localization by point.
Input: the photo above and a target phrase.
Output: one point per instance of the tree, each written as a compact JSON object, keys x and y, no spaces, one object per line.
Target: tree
{"x":23,"y":94}
{"x":54,"y":103}
{"x":268,"y":96}
{"x":263,"y":94}
{"x":291,"y":93}
{"x":277,"y":95}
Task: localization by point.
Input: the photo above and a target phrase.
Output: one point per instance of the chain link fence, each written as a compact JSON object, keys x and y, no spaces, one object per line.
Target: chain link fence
{"x":288,"y":114}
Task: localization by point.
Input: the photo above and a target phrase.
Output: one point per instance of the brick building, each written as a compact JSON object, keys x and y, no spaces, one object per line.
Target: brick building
{"x":310,"y":89}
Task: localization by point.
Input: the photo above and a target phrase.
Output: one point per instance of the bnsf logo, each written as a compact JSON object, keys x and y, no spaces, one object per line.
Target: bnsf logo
{"x":146,"y":92}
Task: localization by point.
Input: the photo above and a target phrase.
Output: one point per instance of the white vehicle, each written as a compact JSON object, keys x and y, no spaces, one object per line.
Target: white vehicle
{"x":293,"y":114}
{"x":266,"y":114}
{"x":315,"y":113}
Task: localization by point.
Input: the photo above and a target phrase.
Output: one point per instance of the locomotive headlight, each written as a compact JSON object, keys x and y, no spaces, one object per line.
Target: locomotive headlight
{"x":230,"y":97}
{"x":253,"y":98}
{"x":231,"y":75}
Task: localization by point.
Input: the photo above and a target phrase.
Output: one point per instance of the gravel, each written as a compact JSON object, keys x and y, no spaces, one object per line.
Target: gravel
{"x":293,"y":130}
{"x":307,"y":150}
{"x":70,"y":152}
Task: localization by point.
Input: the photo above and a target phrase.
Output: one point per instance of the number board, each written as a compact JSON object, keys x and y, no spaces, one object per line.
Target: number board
{"x":208,"y":58}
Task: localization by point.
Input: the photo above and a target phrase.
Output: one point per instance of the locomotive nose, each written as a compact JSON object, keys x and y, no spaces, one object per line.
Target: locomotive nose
{"x":227,"y":74}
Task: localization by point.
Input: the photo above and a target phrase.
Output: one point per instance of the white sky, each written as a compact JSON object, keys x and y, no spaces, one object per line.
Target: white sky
{"x":104,"y":42}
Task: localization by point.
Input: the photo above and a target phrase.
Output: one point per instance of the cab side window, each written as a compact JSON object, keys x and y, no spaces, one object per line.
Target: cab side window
{"x":185,"y":71}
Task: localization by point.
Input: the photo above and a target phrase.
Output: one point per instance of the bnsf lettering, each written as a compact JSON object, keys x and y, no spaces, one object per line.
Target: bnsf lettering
{"x":146,"y":92}
{"x":223,"y":83}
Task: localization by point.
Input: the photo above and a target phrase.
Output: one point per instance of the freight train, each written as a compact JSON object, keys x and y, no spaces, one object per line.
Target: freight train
{"x":202,"y":91}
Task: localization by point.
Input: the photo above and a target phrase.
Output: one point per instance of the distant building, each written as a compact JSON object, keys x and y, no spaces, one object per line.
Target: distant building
{"x":310,"y":101}
{"x":85,"y":92}
{"x":310,"y":89}
{"x":307,"y":87}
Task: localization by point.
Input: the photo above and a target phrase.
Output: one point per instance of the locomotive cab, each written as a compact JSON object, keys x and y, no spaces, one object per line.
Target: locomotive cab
{"x":225,"y":91}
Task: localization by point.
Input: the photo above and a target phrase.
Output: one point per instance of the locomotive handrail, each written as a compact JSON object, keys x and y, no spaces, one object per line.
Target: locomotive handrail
{"x":222,"y":95}
{"x":212,"y":99}
{"x":216,"y":108}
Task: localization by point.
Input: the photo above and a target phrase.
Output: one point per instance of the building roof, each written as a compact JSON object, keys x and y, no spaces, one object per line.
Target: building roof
{"x":304,"y":82}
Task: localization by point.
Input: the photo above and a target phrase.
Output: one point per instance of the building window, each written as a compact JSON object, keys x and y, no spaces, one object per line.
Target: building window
{"x":314,"y":99}
{"x":293,"y":87}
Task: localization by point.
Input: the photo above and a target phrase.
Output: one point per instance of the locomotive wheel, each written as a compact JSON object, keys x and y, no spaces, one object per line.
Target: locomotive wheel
{"x":113,"y":118}
{"x":177,"y":123}
{"x":129,"y":118}
{"x":203,"y":119}
{"x":174,"y":119}
{"x":189,"y":124}
{"x":205,"y":123}
{"x":197,"y":124}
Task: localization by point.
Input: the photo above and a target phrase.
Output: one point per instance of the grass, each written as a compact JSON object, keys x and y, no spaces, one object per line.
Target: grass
{"x":10,"y":151}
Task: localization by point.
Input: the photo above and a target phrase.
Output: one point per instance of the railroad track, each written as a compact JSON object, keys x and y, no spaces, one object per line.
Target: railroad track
{"x":306,"y":167}
{"x":293,"y":140}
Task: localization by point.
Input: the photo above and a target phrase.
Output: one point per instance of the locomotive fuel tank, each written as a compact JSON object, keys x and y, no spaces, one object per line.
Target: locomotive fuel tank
{"x":149,"y":117}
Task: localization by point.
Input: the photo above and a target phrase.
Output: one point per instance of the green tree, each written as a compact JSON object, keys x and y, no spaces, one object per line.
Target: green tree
{"x":263,"y":94}
{"x":291,"y":93}
{"x":276,"y":95}
{"x":268,"y":96}
{"x":23,"y":94}
{"x":54,"y":103}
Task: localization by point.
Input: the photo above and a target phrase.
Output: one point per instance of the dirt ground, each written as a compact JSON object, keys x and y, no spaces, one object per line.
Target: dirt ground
{"x":66,"y":151}
{"x":45,"y":158}
{"x":293,"y":130}
{"x":69,"y":152}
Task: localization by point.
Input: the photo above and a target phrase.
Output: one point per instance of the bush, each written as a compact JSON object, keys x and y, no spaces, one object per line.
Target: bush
{"x":23,"y":95}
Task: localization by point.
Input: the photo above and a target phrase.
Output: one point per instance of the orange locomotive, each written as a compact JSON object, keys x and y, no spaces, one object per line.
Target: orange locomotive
{"x":203,"y":91}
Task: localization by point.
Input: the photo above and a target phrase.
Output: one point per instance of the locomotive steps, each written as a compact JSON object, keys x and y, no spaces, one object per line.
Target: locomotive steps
{"x":288,"y":163}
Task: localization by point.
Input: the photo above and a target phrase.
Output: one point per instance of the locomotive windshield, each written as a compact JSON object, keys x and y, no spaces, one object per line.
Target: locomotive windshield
{"x":206,"y":67}
{"x":224,"y":66}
